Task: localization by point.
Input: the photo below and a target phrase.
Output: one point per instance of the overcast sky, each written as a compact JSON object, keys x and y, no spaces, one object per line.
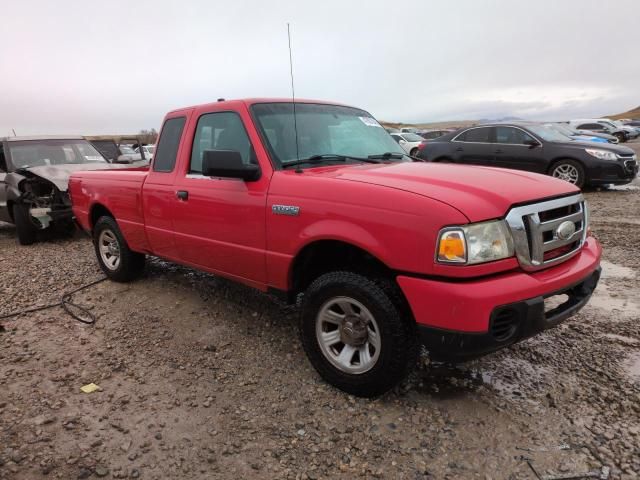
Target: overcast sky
{"x":117,"y":66}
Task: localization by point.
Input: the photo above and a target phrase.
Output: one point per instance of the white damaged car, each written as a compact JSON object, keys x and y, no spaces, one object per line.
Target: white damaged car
{"x":34,"y":175}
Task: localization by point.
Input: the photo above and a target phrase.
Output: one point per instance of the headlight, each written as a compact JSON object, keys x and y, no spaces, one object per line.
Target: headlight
{"x":477,"y":243}
{"x":601,"y":154}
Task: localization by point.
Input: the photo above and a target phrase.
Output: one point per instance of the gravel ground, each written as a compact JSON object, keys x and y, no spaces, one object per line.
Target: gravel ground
{"x":203,"y":378}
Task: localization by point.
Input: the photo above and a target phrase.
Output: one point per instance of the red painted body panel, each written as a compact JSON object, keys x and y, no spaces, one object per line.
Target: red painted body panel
{"x":392,"y":211}
{"x":466,"y":306}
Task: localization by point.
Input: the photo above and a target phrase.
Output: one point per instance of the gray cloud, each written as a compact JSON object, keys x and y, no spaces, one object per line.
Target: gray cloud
{"x":118,"y":66}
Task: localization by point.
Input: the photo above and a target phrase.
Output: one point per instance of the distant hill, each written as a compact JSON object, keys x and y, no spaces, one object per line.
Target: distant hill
{"x":434,"y":125}
{"x":634,"y":113}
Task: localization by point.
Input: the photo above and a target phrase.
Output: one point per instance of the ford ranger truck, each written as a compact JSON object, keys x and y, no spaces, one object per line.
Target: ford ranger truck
{"x":319,"y":205}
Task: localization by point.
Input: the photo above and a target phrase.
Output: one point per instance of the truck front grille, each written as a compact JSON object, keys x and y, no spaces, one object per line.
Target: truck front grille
{"x":548,"y":233}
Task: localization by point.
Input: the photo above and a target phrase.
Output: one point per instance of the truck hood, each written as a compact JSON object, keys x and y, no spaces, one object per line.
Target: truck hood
{"x":480,"y":193}
{"x":59,"y":174}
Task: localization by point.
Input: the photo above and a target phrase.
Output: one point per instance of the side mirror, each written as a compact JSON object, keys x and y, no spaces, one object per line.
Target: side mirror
{"x":228,"y":164}
{"x":531,"y":143}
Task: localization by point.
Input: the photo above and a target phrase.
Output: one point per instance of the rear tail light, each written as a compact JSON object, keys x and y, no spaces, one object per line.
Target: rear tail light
{"x":422,"y":145}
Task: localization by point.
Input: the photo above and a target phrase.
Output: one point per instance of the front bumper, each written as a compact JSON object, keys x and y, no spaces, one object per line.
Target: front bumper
{"x":617,"y":173}
{"x":466,"y":319}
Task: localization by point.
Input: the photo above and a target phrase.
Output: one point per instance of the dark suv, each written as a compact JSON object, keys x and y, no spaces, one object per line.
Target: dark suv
{"x":535,"y":148}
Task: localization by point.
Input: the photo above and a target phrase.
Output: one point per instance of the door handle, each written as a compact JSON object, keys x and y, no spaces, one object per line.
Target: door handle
{"x":498,"y":151}
{"x":182,"y":195}
{"x":459,"y":149}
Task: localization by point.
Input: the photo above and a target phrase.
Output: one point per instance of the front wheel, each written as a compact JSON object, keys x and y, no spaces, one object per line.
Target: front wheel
{"x":570,"y":171}
{"x":25,"y":228}
{"x":115,"y":258}
{"x":356,"y":333}
{"x":621,"y":137}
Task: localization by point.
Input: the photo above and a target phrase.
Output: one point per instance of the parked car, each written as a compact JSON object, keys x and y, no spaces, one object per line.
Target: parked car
{"x":409,"y":130}
{"x":633,"y":123}
{"x":582,"y":137}
{"x":381,"y":252}
{"x":536,"y":148}
{"x":634,"y":132}
{"x":148,"y":151}
{"x":119,"y":152}
{"x":598,"y":126}
{"x":34,"y":172}
{"x":431,"y":134}
{"x":410,"y":142}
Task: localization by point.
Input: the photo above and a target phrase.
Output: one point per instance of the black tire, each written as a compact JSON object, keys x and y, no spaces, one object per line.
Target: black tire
{"x":568,"y":163}
{"x":414,"y":152}
{"x":27,"y":231}
{"x":620,"y":136}
{"x":398,"y":346}
{"x":130,"y":264}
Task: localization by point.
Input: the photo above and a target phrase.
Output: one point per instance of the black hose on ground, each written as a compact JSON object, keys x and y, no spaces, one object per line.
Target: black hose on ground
{"x":85,"y":316}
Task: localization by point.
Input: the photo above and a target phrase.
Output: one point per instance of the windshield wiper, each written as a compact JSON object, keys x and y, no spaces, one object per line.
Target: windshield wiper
{"x":314,"y":159}
{"x":386,"y":156}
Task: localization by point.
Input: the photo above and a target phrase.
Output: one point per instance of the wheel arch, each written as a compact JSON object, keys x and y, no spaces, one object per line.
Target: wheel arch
{"x":324,"y":255}
{"x":96,"y":211}
{"x":559,"y":159}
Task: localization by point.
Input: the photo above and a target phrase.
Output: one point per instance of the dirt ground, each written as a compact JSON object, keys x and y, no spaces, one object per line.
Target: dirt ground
{"x":203,"y":378}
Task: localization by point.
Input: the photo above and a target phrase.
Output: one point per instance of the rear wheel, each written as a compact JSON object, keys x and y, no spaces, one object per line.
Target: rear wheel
{"x":414,"y":152}
{"x":115,"y":258}
{"x":570,"y":171}
{"x":24,"y":225}
{"x":356,"y":333}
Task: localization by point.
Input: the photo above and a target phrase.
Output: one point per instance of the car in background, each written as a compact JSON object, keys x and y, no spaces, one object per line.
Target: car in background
{"x":633,"y":123}
{"x":34,"y":176}
{"x":582,"y":137}
{"x":535,"y":148}
{"x":410,"y":142}
{"x":634,"y":131}
{"x":409,"y":130}
{"x":431,"y":134}
{"x":594,"y":126}
{"x":148,"y":151}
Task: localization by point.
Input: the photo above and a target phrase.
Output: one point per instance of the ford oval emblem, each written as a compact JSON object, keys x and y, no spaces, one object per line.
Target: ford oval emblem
{"x":565,"y":230}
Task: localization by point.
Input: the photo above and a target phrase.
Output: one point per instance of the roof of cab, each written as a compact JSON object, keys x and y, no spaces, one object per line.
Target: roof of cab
{"x":252,"y":101}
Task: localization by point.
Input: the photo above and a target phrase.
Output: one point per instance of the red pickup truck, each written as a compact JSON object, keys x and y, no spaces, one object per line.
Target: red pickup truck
{"x":315,"y":202}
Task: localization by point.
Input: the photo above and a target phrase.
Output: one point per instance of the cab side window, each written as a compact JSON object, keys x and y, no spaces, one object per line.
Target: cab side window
{"x":168,"y":143}
{"x":220,"y":131}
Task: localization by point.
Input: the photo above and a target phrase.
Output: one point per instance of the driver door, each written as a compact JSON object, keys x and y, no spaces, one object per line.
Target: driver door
{"x":220,"y":222}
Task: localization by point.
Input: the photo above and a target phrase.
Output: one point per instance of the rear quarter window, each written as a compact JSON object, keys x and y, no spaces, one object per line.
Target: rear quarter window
{"x":168,"y":143}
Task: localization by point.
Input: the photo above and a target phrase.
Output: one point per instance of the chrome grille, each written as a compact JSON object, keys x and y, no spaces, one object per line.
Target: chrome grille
{"x":540,"y":228}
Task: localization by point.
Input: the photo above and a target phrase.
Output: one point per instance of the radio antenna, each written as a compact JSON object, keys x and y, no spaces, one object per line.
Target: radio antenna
{"x":293,"y":95}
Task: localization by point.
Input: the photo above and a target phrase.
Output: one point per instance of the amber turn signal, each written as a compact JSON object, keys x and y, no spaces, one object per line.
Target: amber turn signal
{"x":451,"y":247}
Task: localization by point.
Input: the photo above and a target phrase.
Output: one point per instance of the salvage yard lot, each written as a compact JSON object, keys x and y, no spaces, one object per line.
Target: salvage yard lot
{"x":203,"y":378}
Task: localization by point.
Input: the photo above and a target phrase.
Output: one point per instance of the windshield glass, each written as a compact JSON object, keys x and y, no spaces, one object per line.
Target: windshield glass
{"x":38,"y":153}
{"x":412,"y":137}
{"x":322,"y":130}
{"x":548,"y":134}
{"x":149,"y":148}
{"x":563,"y":129}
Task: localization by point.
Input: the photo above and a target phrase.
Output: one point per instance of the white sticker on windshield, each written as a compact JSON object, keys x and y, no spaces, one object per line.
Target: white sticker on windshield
{"x":93,"y":158}
{"x":370,"y":122}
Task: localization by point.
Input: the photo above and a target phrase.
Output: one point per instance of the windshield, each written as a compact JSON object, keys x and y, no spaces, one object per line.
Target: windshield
{"x":563,"y":129}
{"x":548,"y":134}
{"x":322,"y":130}
{"x":412,"y":137}
{"x":149,"y":148}
{"x":38,"y":153}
